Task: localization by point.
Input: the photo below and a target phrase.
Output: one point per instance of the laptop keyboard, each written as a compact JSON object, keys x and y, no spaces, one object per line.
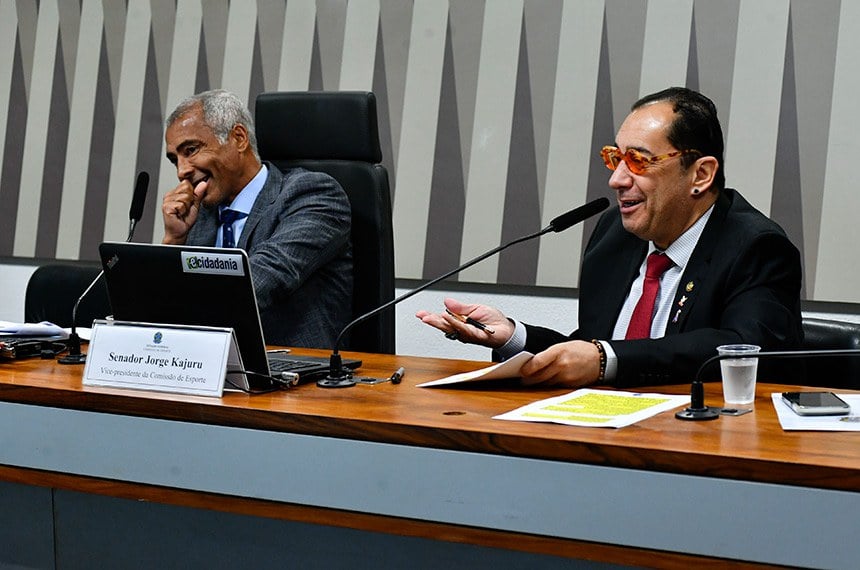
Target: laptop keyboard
{"x":288,"y":365}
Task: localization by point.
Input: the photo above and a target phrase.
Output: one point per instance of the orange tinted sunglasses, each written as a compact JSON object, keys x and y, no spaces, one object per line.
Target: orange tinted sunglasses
{"x":637,"y":162}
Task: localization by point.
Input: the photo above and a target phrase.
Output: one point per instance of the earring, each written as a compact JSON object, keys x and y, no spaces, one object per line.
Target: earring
{"x":696,"y":190}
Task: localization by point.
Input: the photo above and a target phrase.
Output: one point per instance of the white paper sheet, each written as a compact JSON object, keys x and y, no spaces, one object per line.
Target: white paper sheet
{"x":789,"y":420}
{"x":510,"y":368}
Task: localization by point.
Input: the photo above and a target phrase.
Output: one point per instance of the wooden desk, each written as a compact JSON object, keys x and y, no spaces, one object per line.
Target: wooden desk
{"x":431,"y":463}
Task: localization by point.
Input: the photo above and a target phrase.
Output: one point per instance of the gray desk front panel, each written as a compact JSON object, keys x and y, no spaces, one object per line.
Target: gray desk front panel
{"x":700,"y":515}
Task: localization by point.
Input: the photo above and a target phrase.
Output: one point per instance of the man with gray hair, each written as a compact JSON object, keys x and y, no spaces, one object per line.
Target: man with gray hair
{"x":294,"y":225}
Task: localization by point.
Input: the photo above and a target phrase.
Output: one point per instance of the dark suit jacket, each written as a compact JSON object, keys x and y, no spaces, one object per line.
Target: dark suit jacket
{"x":742,"y":284}
{"x":297,"y":239}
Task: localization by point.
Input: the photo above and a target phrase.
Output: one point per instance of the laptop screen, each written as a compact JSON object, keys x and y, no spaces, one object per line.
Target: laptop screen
{"x":186,"y":285}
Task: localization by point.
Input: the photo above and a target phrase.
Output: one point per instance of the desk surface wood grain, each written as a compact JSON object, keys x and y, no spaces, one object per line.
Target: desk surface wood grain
{"x":752,"y":447}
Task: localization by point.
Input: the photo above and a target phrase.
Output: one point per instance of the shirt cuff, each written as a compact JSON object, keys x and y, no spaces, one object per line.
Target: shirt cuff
{"x":516,"y":344}
{"x":611,"y":361}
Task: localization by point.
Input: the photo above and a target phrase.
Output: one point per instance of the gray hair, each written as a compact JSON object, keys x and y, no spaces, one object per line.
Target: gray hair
{"x":222,"y":111}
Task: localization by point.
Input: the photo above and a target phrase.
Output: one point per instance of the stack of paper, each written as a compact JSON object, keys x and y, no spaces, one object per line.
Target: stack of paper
{"x":43,"y":329}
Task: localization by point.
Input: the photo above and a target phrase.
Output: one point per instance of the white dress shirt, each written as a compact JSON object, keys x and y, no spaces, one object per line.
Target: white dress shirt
{"x":679,"y":252}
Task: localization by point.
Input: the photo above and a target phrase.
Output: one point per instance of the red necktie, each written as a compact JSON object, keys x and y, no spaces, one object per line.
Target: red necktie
{"x":640,"y":322}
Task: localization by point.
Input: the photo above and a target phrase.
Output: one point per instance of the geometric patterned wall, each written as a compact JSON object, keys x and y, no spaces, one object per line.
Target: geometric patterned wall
{"x":491,"y":112}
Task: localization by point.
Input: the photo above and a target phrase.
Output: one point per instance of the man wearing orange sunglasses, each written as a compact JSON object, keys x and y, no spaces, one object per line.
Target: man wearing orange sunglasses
{"x":679,"y":267}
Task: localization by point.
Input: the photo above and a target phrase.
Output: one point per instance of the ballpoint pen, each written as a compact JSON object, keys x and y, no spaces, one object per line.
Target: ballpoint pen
{"x":397,"y":376}
{"x":470,"y":321}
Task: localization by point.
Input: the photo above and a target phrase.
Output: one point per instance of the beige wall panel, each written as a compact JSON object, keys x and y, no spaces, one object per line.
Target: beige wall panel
{"x":625,"y":36}
{"x":491,"y":135}
{"x":394,"y":15}
{"x":448,"y":80}
{"x":359,"y":45}
{"x":81,"y":112}
{"x":665,"y":52}
{"x":215,"y":18}
{"x":331,"y":22}
{"x":128,"y":114}
{"x":418,"y":135}
{"x":814,"y":29}
{"x":164,"y":20}
{"x":570,"y":138}
{"x":28,"y":18}
{"x":239,"y":49}
{"x":270,"y":23}
{"x":542,"y":28}
{"x":115,"y":14}
{"x":39,"y":110}
{"x":756,"y":87}
{"x":298,"y":45}
{"x":467,"y":29}
{"x":837,"y":272}
{"x":8,"y":35}
{"x":70,"y":27}
{"x":186,"y":39}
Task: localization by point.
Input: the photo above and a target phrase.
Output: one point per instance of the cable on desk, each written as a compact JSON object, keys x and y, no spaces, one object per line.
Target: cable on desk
{"x":282,"y":381}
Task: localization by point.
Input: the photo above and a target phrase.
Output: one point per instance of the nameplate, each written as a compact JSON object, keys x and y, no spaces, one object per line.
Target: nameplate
{"x":165,"y":358}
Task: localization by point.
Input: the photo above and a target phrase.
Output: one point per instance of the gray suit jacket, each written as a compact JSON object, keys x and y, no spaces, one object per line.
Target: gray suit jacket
{"x":297,"y":239}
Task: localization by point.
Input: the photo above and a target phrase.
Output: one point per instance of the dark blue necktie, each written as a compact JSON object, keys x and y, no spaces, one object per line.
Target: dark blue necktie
{"x":226,"y":219}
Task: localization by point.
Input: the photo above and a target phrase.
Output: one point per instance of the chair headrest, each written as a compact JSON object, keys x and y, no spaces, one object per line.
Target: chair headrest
{"x":830,"y":334}
{"x":321,"y":125}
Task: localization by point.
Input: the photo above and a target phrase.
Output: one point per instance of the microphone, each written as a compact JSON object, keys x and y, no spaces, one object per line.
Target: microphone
{"x":698,"y":411}
{"x":135,"y":212}
{"x":138,"y":199}
{"x":573,"y":217}
{"x":340,"y":378}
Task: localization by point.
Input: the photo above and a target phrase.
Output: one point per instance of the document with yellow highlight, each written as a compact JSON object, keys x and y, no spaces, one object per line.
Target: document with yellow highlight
{"x":596,"y":408}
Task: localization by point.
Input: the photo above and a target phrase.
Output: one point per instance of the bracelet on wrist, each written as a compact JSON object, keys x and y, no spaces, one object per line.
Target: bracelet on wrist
{"x":602,"y":352}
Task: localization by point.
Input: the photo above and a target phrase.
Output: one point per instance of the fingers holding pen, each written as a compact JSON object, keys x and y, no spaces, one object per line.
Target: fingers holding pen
{"x":471,"y":323}
{"x":453,"y":329}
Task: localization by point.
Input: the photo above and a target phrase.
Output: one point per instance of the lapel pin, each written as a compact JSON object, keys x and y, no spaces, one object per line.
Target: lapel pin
{"x":682,"y":301}
{"x":677,"y":314}
{"x":690,"y":286}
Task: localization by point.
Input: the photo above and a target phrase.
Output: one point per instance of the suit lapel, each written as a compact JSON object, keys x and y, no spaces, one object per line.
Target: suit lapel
{"x":261,"y":206}
{"x":696,"y":272}
{"x":614,"y":270}
{"x":205,"y":230}
{"x":620,"y":278}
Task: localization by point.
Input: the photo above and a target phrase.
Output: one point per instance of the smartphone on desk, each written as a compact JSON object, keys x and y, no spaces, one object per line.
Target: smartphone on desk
{"x":816,"y":403}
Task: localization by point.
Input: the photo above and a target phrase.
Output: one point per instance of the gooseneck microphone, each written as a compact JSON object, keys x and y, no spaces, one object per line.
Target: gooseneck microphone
{"x":338,"y":377}
{"x":135,"y":212}
{"x":698,"y":411}
{"x":138,"y":199}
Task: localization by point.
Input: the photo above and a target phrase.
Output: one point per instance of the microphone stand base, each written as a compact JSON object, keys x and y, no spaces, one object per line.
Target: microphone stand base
{"x":74,"y":356}
{"x":342,"y":382}
{"x":73,"y":359}
{"x":698,"y":414}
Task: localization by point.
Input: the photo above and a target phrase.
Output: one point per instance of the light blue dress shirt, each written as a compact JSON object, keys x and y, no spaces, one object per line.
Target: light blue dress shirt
{"x":243,"y":203}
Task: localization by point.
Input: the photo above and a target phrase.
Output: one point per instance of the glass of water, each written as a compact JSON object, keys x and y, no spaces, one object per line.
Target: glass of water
{"x":739,"y":374}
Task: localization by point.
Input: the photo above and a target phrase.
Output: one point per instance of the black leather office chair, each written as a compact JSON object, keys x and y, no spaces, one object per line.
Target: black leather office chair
{"x":836,"y":371}
{"x":54,"y":288}
{"x":337,"y":133}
